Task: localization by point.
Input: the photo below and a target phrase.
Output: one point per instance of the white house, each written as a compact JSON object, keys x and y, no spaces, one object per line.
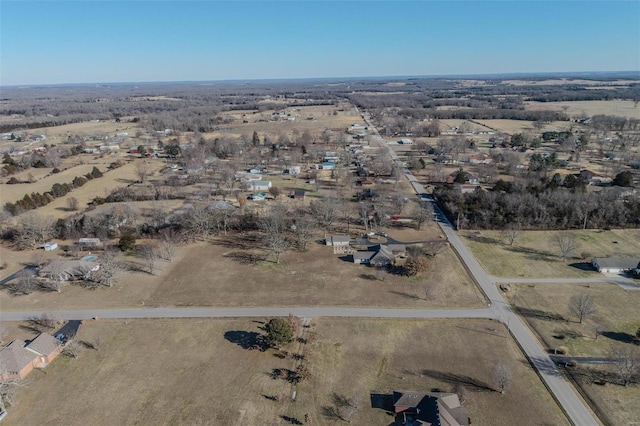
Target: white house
{"x":614,"y":265}
{"x":260,"y":185}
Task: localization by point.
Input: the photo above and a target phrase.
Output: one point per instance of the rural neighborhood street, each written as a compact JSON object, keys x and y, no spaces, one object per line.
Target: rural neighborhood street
{"x":210,"y":312}
{"x":563,"y":392}
{"x":498,"y":309}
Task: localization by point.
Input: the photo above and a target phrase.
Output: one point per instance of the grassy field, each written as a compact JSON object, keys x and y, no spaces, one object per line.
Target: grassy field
{"x":518,"y":126}
{"x":217,"y":274}
{"x":532,"y":255}
{"x":589,"y":108}
{"x":197,"y":372}
{"x":546,"y":308}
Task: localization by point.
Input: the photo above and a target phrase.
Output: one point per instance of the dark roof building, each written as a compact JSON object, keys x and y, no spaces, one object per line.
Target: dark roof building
{"x":429,"y":409}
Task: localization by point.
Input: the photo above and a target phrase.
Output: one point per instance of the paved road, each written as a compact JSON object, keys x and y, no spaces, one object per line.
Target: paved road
{"x":301,"y":312}
{"x":498,"y":309}
{"x":563,"y":392}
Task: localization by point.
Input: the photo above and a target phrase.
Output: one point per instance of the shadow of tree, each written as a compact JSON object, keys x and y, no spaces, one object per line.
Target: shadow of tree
{"x":619,"y":336}
{"x":544,"y":365}
{"x":291,"y":420}
{"x":483,"y":239}
{"x":369,"y":277}
{"x":539,"y":314}
{"x":455,"y":379}
{"x":405,"y":294}
{"x":246,"y":339}
{"x":246,"y":258}
{"x":244,"y":241}
{"x":583,"y":266}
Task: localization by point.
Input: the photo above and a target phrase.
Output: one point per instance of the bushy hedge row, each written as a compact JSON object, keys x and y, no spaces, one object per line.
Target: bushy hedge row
{"x":35,"y":199}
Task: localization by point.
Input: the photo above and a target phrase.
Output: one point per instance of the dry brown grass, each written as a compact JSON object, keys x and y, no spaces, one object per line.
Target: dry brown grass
{"x":546,"y":306}
{"x":616,"y":318}
{"x":532,"y":254}
{"x":522,"y":126}
{"x":589,"y":108}
{"x":216,"y":274}
{"x":193,"y":372}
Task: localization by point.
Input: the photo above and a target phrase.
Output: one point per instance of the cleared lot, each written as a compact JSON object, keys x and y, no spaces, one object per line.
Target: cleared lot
{"x":546,"y":308}
{"x":532,"y":254}
{"x":197,"y":372}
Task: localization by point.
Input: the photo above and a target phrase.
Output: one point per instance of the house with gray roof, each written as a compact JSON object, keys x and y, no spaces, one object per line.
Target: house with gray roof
{"x":69,"y":270}
{"x":18,"y":358}
{"x":379,"y":255}
{"x":615,"y":264}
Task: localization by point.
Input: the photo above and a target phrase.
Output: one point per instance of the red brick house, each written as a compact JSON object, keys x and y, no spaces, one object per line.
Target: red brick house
{"x":18,"y":358}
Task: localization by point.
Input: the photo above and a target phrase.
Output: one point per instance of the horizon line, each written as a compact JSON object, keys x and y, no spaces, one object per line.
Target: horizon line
{"x":624,"y":74}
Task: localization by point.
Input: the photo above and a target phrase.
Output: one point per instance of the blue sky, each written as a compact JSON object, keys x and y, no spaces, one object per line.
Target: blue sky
{"x":112,"y":41}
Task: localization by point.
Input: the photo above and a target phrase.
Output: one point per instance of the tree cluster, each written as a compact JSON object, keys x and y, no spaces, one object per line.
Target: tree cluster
{"x":541,"y":206}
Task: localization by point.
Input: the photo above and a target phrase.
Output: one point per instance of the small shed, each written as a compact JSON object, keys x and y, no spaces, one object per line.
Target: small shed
{"x":49,"y":246}
{"x":298,"y":194}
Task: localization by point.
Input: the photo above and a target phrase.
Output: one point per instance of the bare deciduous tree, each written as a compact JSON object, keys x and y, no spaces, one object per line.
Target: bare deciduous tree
{"x":43,"y":322}
{"x":142,"y":170}
{"x":511,"y":233}
{"x":565,"y":242}
{"x":109,"y":270}
{"x":325,"y":212}
{"x":501,"y":376}
{"x":72,"y":204}
{"x":24,"y":284}
{"x":627,"y":363}
{"x":71,"y":348}
{"x":149,"y":256}
{"x":34,"y":229}
{"x":582,"y":306}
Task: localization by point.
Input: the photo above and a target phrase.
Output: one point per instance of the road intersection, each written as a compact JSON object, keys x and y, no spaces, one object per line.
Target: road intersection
{"x":498,"y":309}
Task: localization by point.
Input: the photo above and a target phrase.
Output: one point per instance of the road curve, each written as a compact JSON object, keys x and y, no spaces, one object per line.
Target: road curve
{"x":562,"y":391}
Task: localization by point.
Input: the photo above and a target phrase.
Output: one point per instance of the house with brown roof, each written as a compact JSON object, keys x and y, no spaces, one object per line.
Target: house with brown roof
{"x":428,"y":409}
{"x":18,"y":358}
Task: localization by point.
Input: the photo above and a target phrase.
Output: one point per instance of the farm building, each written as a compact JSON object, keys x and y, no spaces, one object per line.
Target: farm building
{"x":298,"y":194}
{"x":615,"y":264}
{"x":20,"y":357}
{"x":405,"y":141}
